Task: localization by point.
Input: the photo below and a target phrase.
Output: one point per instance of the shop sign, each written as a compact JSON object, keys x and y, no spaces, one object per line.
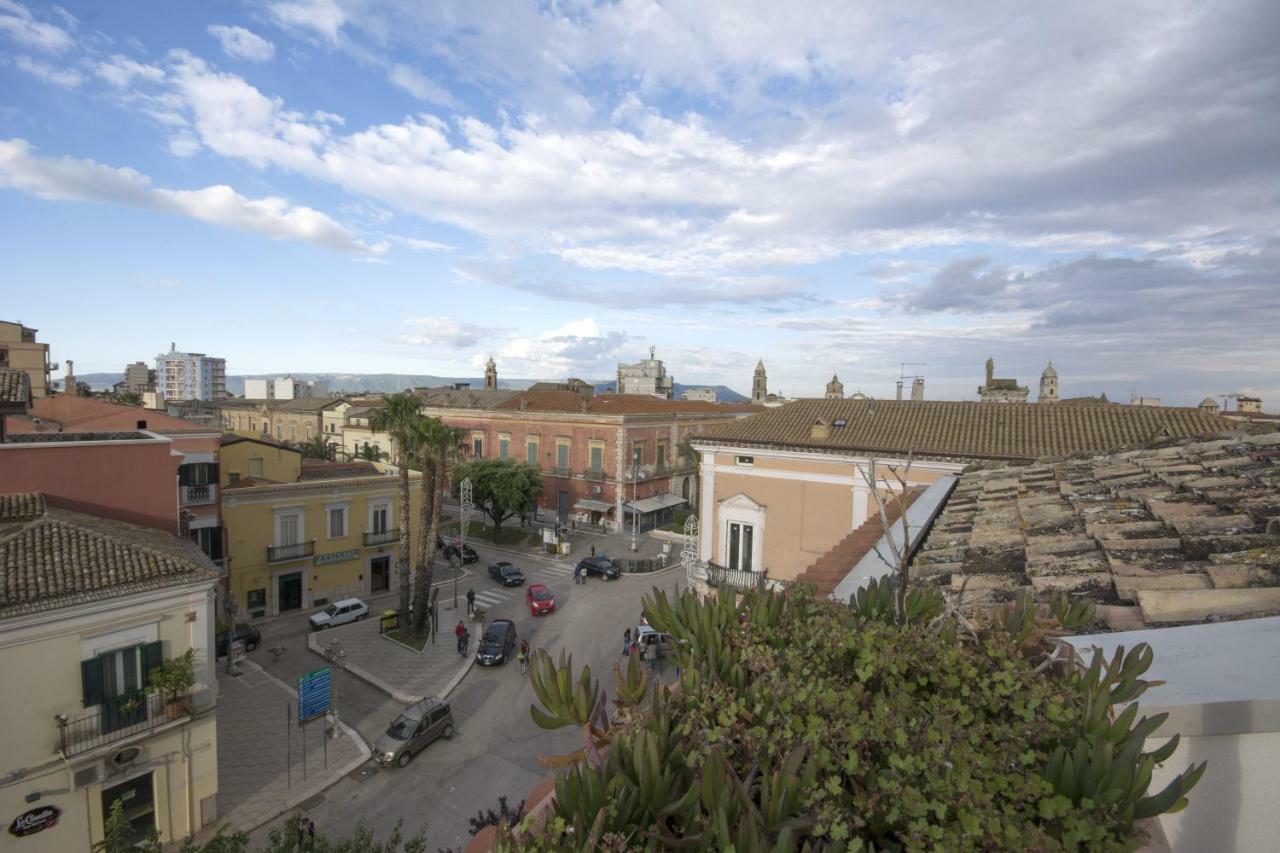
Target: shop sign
{"x":336,"y":557}
{"x":29,"y":823}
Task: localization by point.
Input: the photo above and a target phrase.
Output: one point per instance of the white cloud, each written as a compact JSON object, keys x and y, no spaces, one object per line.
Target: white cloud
{"x":17,"y":22}
{"x":239,"y":43}
{"x":70,"y":179}
{"x":67,"y":78}
{"x":447,"y":332}
{"x":420,"y":86}
{"x":320,"y":16}
{"x":421,"y":245}
{"x":121,"y":71}
{"x":577,"y":348}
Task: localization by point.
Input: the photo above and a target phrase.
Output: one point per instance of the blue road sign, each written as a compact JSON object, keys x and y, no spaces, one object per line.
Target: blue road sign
{"x":315,"y":694}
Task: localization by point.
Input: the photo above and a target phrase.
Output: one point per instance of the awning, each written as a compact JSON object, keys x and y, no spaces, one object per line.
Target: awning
{"x":644,"y":506}
{"x":593,"y":505}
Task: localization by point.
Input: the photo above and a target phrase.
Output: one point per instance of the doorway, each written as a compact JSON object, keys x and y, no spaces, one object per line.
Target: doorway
{"x":290,"y":587}
{"x":562,"y":506}
{"x":137,"y":798}
{"x":379,"y":574}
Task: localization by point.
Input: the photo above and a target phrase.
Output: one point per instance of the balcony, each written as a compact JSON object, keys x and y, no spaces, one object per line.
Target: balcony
{"x":115,"y":720}
{"x":560,"y":472}
{"x":596,"y":474}
{"x":285,"y":553}
{"x":381,"y":537}
{"x":718,"y":576}
{"x":197,"y":495}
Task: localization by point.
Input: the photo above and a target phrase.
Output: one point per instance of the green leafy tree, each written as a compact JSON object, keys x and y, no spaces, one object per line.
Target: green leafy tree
{"x":501,"y":488}
{"x":318,"y":447}
{"x":397,"y":418}
{"x":118,"y":835}
{"x":370,"y":453}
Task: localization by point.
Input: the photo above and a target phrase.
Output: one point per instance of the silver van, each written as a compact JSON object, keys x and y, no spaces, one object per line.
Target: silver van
{"x":417,"y":727}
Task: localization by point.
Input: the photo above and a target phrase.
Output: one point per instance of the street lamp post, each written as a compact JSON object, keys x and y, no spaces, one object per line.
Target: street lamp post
{"x":635,"y":511}
{"x":464,"y":517}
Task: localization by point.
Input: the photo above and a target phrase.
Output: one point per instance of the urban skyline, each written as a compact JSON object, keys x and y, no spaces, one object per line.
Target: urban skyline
{"x":331,"y":187}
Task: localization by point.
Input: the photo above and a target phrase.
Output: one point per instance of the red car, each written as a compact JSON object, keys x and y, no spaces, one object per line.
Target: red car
{"x":539,"y":599}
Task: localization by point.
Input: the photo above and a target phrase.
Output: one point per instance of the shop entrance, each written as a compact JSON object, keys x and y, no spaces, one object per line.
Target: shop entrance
{"x":379,"y":574}
{"x":137,"y":798}
{"x":290,"y":587}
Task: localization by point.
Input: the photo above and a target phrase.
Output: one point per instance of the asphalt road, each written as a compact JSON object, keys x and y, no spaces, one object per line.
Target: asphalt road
{"x":495,"y":749}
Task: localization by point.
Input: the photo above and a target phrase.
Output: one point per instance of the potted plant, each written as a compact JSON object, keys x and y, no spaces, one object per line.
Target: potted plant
{"x":173,"y":679}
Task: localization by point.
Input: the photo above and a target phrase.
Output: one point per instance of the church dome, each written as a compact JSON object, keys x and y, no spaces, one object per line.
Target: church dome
{"x":1049,"y":372}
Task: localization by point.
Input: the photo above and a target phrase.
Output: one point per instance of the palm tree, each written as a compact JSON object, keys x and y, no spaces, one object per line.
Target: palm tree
{"x":370,"y":453}
{"x":397,"y":419}
{"x":435,"y":446}
{"x":317,"y":447}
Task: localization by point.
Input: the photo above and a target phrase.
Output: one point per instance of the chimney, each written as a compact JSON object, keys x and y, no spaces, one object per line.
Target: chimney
{"x":820,"y":431}
{"x":69,"y":384}
{"x":584,"y":406}
{"x":142,"y":425}
{"x":917,"y":388}
{"x":991,"y":369}
{"x":524,"y":402}
{"x":899,"y":389}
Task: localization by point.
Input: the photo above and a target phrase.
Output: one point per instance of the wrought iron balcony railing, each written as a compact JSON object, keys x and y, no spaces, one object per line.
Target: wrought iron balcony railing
{"x":117,"y":719}
{"x":296,"y":551}
{"x":718,"y":576}
{"x":597,"y":474}
{"x":196,"y":495}
{"x":382,"y":537}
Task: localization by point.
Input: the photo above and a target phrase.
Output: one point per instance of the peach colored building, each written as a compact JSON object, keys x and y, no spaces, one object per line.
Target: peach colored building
{"x":780,"y":489}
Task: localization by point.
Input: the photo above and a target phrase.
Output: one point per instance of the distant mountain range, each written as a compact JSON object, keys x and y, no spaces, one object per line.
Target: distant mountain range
{"x":386,"y":383}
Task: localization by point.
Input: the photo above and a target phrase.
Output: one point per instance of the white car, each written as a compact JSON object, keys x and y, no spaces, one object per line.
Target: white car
{"x":339,"y":613}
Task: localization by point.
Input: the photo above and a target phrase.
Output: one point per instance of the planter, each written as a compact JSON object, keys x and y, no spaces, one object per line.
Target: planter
{"x":175,"y":707}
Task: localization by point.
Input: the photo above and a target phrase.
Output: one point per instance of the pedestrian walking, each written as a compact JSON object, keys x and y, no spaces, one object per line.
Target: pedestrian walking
{"x":460,"y":632}
{"x":577,"y":575}
{"x":523,"y":657}
{"x":593,"y":550}
{"x":306,"y":834}
{"x":626,"y":641}
{"x":471,"y":602}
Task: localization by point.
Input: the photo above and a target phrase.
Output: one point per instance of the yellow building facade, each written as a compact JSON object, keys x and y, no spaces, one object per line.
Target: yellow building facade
{"x":20,"y":351}
{"x":297,"y":540}
{"x":81,"y":731}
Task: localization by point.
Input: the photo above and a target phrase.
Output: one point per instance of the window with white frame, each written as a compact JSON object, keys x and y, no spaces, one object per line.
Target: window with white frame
{"x":504,"y":445}
{"x":255,"y":466}
{"x":380,"y":516}
{"x":336,"y":520}
{"x":741,"y":544}
{"x":289,"y":526}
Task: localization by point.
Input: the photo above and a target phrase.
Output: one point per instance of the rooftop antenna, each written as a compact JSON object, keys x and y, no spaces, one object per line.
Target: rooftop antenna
{"x":902,"y":374}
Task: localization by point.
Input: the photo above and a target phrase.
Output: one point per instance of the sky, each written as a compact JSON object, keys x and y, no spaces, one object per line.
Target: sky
{"x":843,"y":187}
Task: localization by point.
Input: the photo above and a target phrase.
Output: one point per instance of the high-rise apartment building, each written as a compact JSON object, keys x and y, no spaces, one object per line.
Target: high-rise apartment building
{"x":190,"y":376}
{"x":285,"y":388}
{"x":19,"y":351}
{"x":138,"y":378}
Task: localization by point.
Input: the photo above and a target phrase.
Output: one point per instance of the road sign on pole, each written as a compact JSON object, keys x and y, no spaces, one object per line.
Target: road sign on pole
{"x":315,"y":694}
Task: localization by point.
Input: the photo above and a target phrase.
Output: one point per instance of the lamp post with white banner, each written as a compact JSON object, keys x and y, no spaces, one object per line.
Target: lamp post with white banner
{"x":464,"y":516}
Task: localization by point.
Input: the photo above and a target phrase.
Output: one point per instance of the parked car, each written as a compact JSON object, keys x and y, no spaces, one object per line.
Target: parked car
{"x":417,"y":727}
{"x":506,"y":574}
{"x":497,"y":644}
{"x":601,"y":566}
{"x":339,"y":613}
{"x":467,"y":554}
{"x":647,"y":636}
{"x":250,"y":635}
{"x":539,"y":599}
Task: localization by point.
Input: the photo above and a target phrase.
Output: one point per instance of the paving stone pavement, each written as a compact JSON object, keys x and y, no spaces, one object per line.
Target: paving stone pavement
{"x":256,"y":779}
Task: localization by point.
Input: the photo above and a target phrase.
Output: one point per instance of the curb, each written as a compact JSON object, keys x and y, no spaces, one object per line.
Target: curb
{"x":379,"y":684}
{"x":293,"y":801}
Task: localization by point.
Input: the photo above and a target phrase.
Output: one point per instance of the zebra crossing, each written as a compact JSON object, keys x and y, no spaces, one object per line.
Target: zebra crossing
{"x":495,"y":595}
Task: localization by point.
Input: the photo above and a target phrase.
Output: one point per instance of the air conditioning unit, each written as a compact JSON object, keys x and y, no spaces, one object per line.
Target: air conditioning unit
{"x":90,"y":774}
{"x":595,"y":490}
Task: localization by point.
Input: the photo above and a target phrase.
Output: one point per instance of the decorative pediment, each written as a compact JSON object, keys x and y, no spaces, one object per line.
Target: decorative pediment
{"x":740,"y":501}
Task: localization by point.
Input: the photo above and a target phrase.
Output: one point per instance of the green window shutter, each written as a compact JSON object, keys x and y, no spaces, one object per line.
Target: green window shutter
{"x":212,"y":468}
{"x":91,"y":681}
{"x":152,"y":657}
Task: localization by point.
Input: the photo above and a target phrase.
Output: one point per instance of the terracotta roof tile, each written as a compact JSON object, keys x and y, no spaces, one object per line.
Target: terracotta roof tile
{"x":21,"y":505}
{"x":60,"y":558}
{"x":15,"y":388}
{"x":316,"y":469}
{"x":1009,"y":431}
{"x":86,"y":414}
{"x":618,"y":404}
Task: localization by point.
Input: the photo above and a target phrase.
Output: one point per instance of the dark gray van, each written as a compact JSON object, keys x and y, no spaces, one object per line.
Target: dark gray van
{"x":417,"y":727}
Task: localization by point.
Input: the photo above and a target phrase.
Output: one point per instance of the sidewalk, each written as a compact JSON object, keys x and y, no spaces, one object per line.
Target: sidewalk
{"x":260,"y":755}
{"x":404,"y":674}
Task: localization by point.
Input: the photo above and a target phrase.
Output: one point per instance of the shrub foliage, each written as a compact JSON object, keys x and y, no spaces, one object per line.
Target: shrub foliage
{"x":801,"y":723}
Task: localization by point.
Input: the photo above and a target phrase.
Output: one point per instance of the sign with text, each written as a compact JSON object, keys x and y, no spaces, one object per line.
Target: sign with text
{"x":36,"y":820}
{"x":336,"y":557}
{"x":315,"y":694}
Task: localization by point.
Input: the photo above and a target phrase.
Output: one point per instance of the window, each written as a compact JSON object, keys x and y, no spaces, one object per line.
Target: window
{"x":662,"y":454}
{"x":477,"y":445}
{"x":289,"y":527}
{"x":562,"y":453}
{"x":597,"y":457}
{"x":637,"y":454}
{"x":280,"y":432}
{"x":4,"y":356}
{"x":337,"y":521}
{"x":379,"y":517}
{"x":233,"y":476}
{"x":308,"y":430}
{"x":113,"y":679}
{"x":744,"y":460}
{"x":531,"y":448}
{"x":504,"y":446}
{"x":210,"y":541}
{"x":255,"y":466}
{"x":293,"y":430}
{"x":740,"y":542}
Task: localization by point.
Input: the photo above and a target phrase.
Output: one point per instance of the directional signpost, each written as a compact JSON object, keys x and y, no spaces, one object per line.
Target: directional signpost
{"x":315,"y":698}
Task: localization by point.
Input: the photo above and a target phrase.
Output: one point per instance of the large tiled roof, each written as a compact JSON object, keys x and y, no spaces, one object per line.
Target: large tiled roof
{"x":58,"y":558}
{"x":15,"y":388}
{"x":468,"y":398}
{"x":227,"y":438}
{"x":316,"y":469}
{"x":68,"y":413}
{"x":20,"y":506}
{"x":1163,"y":535}
{"x":302,"y":404}
{"x":964,"y":431}
{"x":618,"y":404}
{"x":47,"y":437}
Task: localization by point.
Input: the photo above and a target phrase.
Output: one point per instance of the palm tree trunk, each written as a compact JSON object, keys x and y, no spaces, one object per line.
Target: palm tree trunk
{"x":403,"y":561}
{"x":422,"y":575}
{"x":437,"y":504}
